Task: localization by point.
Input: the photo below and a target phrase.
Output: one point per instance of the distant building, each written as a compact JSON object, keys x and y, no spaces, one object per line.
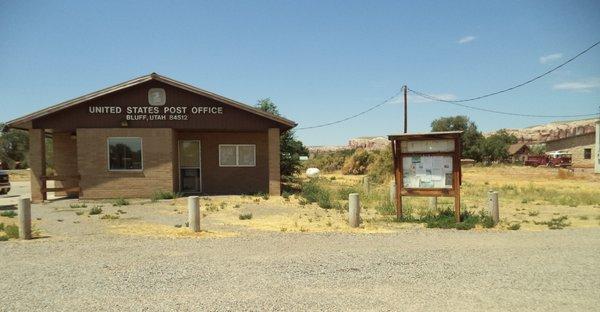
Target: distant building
{"x":581,"y":147}
{"x":518,"y":152}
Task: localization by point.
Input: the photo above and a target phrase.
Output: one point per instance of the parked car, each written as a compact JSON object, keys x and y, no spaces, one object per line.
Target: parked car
{"x":4,"y":182}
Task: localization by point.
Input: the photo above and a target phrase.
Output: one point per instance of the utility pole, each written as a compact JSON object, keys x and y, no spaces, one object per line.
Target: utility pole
{"x":405,"y":110}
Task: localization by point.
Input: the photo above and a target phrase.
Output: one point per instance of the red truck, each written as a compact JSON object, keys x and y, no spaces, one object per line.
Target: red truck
{"x":552,"y":159}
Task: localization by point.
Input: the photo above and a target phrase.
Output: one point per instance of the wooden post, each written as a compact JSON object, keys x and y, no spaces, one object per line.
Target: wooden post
{"x":24,"y":218}
{"x":405,"y":110}
{"x":399,"y":179}
{"x":354,"y":210}
{"x":493,"y":206}
{"x":456,"y":178}
{"x":366,"y":185}
{"x":194,"y":213}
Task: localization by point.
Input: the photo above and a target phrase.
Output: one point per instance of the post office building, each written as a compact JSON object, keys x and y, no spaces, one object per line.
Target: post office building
{"x":152,"y":134}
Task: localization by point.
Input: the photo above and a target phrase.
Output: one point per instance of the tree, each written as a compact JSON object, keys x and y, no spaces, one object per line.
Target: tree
{"x":472,"y":139}
{"x":14,"y":145}
{"x":291,"y":148}
{"x":496,"y":145}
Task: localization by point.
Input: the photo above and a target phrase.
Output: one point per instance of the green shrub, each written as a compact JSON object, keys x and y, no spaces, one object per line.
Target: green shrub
{"x":358,"y":162}
{"x":533,"y":213}
{"x":381,"y":168}
{"x":78,"y":205}
{"x":79,"y":213}
{"x":386,"y":208}
{"x":8,"y":214}
{"x":285,"y":195}
{"x":160,"y":195}
{"x":344,"y":192}
{"x":109,"y":217}
{"x":12,"y":231}
{"x":245,"y":216}
{"x":95,"y":210}
{"x":328,"y":161}
{"x":121,"y":202}
{"x":1,"y":226}
{"x":3,"y":238}
{"x":514,"y":226}
{"x":314,"y":192}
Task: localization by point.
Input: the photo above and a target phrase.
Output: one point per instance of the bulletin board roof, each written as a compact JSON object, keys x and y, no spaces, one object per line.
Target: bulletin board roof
{"x":428,"y":135}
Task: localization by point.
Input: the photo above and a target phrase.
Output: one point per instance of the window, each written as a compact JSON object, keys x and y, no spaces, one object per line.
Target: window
{"x":237,"y":155}
{"x":125,"y":154}
{"x":587,"y":153}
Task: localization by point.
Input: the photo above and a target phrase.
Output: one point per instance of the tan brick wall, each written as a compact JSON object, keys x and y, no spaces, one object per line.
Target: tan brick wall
{"x":274,"y":162}
{"x":65,"y":160}
{"x":98,"y":182}
{"x":37,"y":163}
{"x":577,"y":156}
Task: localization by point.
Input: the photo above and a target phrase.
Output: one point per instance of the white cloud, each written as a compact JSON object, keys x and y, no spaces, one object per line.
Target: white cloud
{"x":466,"y":39}
{"x":413,"y":98}
{"x":585,"y":85}
{"x":549,"y":58}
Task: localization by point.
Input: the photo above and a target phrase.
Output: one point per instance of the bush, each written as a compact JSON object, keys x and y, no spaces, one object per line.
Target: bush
{"x":285,"y":195}
{"x":8,"y":214}
{"x":329,"y":161}
{"x":109,"y":217}
{"x":514,"y":226}
{"x":12,"y":231}
{"x":160,"y":195}
{"x":1,"y":226}
{"x":121,"y":202}
{"x":358,"y":162}
{"x":95,"y":210}
{"x":314,"y":192}
{"x":78,"y":205}
{"x":445,"y":220}
{"x":3,"y":238}
{"x":245,"y":216}
{"x":381,"y":168}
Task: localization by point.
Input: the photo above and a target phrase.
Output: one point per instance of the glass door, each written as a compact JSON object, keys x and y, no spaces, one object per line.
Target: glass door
{"x":190,"y":178}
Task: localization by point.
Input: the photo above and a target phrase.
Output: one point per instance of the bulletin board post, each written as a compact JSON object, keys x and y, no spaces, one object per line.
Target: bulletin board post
{"x":427,"y":165}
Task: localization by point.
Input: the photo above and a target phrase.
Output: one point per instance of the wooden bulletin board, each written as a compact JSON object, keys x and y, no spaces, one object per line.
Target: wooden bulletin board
{"x":427,"y":164}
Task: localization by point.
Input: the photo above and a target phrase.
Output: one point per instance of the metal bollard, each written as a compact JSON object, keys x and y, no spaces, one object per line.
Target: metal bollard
{"x":393,"y":193}
{"x":493,"y":206}
{"x":353,"y":210}
{"x":24,"y":218}
{"x":194,"y":213}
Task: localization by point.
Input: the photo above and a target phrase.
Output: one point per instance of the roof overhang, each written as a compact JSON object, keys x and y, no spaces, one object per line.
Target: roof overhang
{"x":25,"y":122}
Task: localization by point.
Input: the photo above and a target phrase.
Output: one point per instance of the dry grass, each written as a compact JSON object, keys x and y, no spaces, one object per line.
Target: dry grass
{"x":18,"y":175}
{"x":140,"y":228}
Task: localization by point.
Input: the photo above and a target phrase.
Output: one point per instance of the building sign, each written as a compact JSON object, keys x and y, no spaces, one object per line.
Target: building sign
{"x":150,"y":113}
{"x":157,"y":98}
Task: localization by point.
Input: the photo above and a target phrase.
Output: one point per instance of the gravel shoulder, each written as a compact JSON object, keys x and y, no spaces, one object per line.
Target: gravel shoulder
{"x":409,"y":270}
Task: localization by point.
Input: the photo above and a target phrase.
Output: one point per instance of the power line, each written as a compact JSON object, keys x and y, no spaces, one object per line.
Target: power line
{"x":507,"y":113}
{"x":457,"y":102}
{"x":355,"y":115}
{"x":431,"y":97}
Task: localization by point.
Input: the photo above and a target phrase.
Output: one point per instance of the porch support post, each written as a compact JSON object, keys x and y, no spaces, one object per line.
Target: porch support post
{"x":274,"y":161}
{"x":37,"y":164}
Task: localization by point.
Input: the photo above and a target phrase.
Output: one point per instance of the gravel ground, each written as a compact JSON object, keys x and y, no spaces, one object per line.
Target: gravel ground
{"x":411,"y":270}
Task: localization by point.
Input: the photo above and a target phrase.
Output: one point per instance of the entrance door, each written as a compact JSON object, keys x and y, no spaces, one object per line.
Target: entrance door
{"x":190,"y":178}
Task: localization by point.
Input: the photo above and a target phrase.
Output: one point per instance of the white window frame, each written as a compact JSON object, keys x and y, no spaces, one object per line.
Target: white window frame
{"x":237,"y":155}
{"x":124,"y":170}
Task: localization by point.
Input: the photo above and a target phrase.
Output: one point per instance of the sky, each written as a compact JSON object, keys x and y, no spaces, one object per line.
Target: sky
{"x":319,"y":61}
